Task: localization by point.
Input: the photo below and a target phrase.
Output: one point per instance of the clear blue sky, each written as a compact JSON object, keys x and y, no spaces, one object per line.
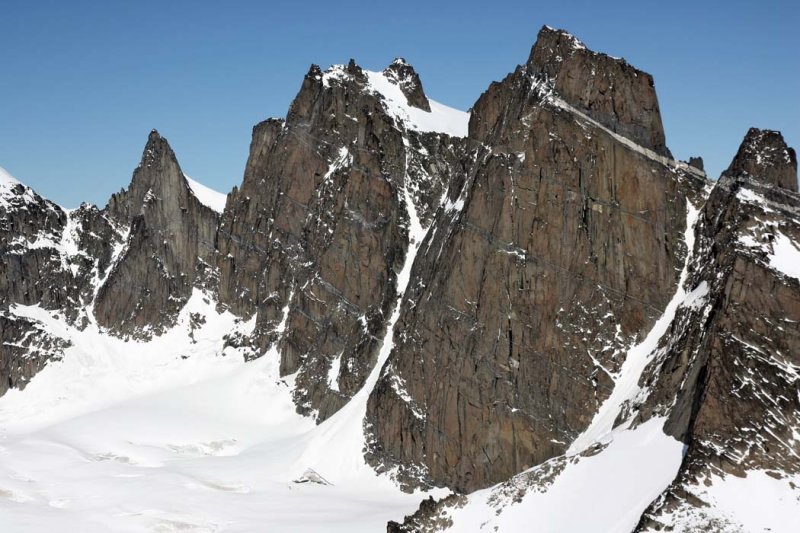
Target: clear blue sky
{"x":82,"y":83}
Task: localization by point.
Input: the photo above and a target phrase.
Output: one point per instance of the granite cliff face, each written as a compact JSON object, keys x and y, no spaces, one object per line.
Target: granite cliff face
{"x":322,"y":223}
{"x":506,"y":291}
{"x":562,"y":245}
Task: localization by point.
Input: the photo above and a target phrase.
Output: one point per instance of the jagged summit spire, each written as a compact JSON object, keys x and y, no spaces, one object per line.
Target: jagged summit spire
{"x":765,"y":156}
{"x":607,"y":88}
{"x":158,"y":170}
{"x":403,"y":74}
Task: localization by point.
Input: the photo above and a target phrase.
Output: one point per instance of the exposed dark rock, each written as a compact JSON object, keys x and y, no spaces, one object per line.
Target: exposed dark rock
{"x":764,"y":156}
{"x":25,"y":348}
{"x":320,"y":225}
{"x":606,"y":88}
{"x":431,"y":516}
{"x":697,"y":162}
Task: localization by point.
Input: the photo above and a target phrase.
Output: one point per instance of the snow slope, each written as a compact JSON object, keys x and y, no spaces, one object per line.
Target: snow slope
{"x":440,"y":119}
{"x":7,"y":183}
{"x":207,"y":196}
{"x":605,"y":492}
{"x":7,"y":180}
{"x":755,"y":502}
{"x":176,"y":434}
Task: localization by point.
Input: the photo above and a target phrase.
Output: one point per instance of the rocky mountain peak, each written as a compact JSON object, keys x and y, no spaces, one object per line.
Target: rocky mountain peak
{"x":606,"y":88}
{"x":158,"y":171}
{"x":170,"y":242}
{"x":403,"y":75}
{"x":764,"y":156}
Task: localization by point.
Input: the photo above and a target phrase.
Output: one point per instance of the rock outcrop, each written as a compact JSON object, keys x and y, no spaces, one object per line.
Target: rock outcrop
{"x":608,"y":89}
{"x":170,"y":246}
{"x":51,"y":258}
{"x":558,"y":248}
{"x":764,"y":156}
{"x":404,"y":75}
{"x":320,"y":225}
{"x":732,"y":357}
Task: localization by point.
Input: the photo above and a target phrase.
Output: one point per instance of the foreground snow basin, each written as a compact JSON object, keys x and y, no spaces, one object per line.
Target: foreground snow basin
{"x":169,"y":436}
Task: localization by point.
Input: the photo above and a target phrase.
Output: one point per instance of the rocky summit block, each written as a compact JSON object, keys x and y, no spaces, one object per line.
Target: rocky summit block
{"x":764,"y":156}
{"x":606,"y":88}
{"x":559,"y":247}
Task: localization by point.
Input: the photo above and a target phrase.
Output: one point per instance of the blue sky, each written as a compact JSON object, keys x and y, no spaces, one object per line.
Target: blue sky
{"x":82,"y":83}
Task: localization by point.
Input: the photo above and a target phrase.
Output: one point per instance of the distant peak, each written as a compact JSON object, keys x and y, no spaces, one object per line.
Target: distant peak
{"x":158,"y":171}
{"x":765,"y":156}
{"x":400,"y":61}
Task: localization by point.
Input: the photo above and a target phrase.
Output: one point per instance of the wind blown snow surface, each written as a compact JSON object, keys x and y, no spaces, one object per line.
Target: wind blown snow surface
{"x":6,"y":179}
{"x":785,"y":256}
{"x":176,"y":434}
{"x":7,"y":183}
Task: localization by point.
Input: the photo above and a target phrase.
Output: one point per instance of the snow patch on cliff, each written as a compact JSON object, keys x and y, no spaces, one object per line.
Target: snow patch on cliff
{"x":440,"y":119}
{"x":210,"y":198}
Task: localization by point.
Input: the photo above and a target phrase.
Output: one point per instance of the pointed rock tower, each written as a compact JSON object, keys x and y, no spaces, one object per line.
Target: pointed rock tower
{"x":169,"y":248}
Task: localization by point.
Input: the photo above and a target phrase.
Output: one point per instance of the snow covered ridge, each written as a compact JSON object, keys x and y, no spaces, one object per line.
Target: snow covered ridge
{"x":7,"y":180}
{"x":8,"y":184}
{"x":440,"y":119}
{"x":208,"y":197}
